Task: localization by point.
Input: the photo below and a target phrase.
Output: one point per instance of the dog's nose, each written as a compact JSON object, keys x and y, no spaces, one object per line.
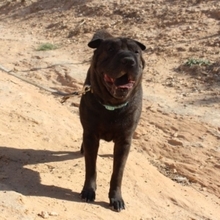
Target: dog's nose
{"x":128,"y":61}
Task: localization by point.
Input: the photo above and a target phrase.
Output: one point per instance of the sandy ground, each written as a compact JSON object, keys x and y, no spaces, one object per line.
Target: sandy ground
{"x":173,"y":169}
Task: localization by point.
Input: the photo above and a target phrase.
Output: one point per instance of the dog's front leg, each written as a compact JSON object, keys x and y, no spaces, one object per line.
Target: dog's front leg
{"x":121,"y":151}
{"x":90,"y":150}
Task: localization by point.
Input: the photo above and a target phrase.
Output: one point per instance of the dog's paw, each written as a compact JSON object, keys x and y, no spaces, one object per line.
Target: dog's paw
{"x":88,"y":195}
{"x":117,"y":204}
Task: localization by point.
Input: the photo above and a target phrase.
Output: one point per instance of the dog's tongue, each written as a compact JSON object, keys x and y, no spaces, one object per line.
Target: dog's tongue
{"x":126,"y":86}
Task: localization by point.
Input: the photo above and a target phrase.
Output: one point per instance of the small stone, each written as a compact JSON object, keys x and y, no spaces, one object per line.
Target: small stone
{"x":175,"y":134}
{"x":217,"y":166}
{"x":44,"y":214}
{"x":53,"y":214}
{"x":136,"y":135}
{"x":175,"y":142}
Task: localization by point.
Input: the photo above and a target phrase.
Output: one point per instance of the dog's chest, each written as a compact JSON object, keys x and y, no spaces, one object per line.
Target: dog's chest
{"x":111,"y":128}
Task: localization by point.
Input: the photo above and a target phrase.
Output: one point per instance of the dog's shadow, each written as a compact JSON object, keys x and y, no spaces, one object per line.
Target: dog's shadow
{"x":15,"y":176}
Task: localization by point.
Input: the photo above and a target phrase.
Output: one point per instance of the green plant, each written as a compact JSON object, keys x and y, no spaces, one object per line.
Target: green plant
{"x":198,"y":62}
{"x":47,"y":46}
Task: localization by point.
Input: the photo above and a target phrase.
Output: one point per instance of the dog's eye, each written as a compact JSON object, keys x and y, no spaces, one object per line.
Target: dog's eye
{"x":136,"y":51}
{"x":111,"y":49}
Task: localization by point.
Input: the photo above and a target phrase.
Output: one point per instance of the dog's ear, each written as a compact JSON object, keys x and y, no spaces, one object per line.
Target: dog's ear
{"x":95,"y":43}
{"x":98,"y":37}
{"x":142,"y":46}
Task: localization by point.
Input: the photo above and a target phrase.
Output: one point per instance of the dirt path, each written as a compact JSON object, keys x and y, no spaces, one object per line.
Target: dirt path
{"x":173,"y":169}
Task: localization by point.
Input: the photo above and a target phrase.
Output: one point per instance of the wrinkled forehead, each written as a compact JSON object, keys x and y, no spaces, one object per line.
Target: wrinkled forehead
{"x":120,"y":43}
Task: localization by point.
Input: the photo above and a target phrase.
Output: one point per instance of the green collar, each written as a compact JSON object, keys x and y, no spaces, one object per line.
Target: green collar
{"x":112,"y":108}
{"x":87,"y":88}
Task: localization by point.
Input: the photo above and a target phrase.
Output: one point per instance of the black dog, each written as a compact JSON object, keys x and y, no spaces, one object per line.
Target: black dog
{"x":112,"y":107}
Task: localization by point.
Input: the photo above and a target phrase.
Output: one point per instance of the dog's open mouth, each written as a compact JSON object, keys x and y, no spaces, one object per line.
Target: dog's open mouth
{"x":119,"y":87}
{"x":123,"y":82}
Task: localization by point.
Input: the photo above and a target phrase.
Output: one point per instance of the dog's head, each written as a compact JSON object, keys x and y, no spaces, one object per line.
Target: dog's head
{"x":117,"y":63}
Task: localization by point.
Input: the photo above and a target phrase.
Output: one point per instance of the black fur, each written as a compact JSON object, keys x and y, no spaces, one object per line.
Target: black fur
{"x":115,"y":78}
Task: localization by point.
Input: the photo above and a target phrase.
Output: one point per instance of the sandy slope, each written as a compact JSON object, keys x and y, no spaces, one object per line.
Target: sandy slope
{"x":173,"y":168}
{"x":42,"y":170}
